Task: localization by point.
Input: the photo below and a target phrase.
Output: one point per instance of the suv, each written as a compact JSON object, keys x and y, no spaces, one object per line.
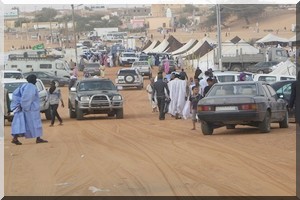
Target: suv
{"x":12,"y":84}
{"x":95,"y":96}
{"x":127,"y":58}
{"x":144,"y":67}
{"x":130,"y":77}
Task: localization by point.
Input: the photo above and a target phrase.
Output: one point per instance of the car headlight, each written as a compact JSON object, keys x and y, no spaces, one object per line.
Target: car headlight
{"x":84,"y":98}
{"x":117,"y":98}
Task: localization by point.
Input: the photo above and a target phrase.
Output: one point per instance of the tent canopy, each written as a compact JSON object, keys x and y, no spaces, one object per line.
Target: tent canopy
{"x":271,"y":38}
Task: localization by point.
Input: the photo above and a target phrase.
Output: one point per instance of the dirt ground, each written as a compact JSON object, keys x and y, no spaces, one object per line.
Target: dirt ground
{"x":141,"y":155}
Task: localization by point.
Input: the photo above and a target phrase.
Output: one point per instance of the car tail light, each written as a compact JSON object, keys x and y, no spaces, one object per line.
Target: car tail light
{"x":248,"y":107}
{"x":205,"y":108}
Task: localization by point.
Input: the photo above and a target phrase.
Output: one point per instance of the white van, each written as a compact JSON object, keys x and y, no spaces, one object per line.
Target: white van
{"x":231,"y":76}
{"x":28,"y":63}
{"x":272,"y":78}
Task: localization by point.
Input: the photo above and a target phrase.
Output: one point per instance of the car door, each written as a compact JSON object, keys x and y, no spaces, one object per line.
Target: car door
{"x":271,"y":102}
{"x":279,"y":105}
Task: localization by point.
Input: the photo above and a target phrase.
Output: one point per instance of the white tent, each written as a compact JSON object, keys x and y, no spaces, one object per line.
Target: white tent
{"x":272,"y":38}
{"x":161,"y":47}
{"x":185,"y":47}
{"x":228,"y":49}
{"x":153,"y":44}
{"x":209,"y":40}
{"x":285,"y":68}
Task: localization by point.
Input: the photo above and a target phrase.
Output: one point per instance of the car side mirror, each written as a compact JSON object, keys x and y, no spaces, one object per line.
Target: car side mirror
{"x":73,"y":89}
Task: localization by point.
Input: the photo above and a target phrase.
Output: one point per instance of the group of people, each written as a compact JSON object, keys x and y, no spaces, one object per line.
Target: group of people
{"x":25,"y":105}
{"x":179,"y":95}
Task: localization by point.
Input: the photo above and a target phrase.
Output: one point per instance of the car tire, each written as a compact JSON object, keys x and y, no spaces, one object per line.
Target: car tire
{"x":265,"y":125}
{"x":129,"y":78}
{"x":285,"y":122}
{"x":79,"y":113}
{"x":206,"y":128}
{"x":230,"y":126}
{"x":48,"y":114}
{"x":119,"y":114}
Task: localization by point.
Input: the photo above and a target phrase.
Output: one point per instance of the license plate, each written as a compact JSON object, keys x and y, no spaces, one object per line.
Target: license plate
{"x":226,"y":108}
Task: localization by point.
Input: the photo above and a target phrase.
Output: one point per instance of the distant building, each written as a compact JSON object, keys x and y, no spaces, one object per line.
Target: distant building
{"x":136,"y":11}
{"x":159,"y":10}
{"x":137,"y":23}
{"x":154,"y":23}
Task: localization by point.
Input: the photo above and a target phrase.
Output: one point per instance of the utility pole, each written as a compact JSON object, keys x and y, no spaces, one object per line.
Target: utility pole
{"x":74,"y":33}
{"x":219,"y":36}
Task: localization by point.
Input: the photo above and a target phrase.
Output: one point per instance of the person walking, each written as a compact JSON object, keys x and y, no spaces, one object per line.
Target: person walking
{"x":26,"y":107}
{"x":194,"y":99}
{"x":159,"y":89}
{"x":54,"y":96}
{"x":149,"y":90}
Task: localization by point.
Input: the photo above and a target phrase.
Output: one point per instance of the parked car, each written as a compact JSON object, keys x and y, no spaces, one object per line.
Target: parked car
{"x":92,"y":68}
{"x":95,"y":96}
{"x":47,"y":78}
{"x":12,"y":84}
{"x":143,"y":57}
{"x":12,"y":74}
{"x":283,"y":90}
{"x":262,"y":67}
{"x":242,"y":103}
{"x":144,"y":68}
{"x":127,"y":58}
{"x":272,"y":78}
{"x":231,"y":76}
{"x":129,"y":77}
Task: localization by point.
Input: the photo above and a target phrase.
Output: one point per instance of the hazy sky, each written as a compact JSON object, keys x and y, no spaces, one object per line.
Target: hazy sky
{"x":32,"y":5}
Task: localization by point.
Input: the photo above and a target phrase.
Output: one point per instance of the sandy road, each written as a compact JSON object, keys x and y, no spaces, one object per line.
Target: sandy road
{"x":140,"y":155}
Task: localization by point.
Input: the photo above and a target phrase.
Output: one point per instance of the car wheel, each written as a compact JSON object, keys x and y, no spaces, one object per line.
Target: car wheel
{"x":129,"y":79}
{"x":260,"y":71}
{"x":265,"y":125}
{"x":230,"y":126}
{"x":48,"y":114}
{"x":119,"y":114}
{"x":79,"y":113}
{"x":206,"y":128}
{"x":111,"y":114}
{"x":285,"y":122}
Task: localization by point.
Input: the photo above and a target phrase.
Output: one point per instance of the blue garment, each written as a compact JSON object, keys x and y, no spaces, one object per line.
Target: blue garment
{"x":26,"y":106}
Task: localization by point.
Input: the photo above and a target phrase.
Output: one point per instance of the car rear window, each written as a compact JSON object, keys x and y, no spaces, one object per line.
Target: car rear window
{"x":12,"y":75}
{"x":11,"y":87}
{"x":233,"y":89}
{"x":125,"y":72}
{"x":129,"y":55}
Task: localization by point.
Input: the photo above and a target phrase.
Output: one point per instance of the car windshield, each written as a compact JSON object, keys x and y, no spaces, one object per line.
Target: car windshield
{"x":232,"y":89}
{"x":96,"y":85}
{"x":129,"y":55}
{"x":93,"y":65}
{"x":137,"y":64}
{"x":11,"y":87}
{"x":12,"y":75}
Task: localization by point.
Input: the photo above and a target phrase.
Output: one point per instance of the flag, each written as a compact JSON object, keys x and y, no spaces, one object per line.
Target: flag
{"x":38,"y":47}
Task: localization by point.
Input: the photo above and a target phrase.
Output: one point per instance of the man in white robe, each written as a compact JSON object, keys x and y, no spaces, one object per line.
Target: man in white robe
{"x":178,"y":95}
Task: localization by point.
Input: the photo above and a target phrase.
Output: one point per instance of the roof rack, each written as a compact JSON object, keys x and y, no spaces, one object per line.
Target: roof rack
{"x":38,"y":56}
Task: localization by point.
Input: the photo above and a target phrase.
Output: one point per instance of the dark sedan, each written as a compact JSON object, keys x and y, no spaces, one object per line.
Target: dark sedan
{"x":47,"y":77}
{"x":262,"y":67}
{"x":92,"y":68}
{"x":283,"y":90}
{"x":241,"y":103}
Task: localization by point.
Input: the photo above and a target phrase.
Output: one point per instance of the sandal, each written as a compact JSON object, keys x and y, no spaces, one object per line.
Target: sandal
{"x":16,"y":141}
{"x":41,"y":141}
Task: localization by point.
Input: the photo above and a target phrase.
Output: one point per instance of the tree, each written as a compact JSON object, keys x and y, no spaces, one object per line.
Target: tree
{"x":45,"y":15}
{"x":20,"y":21}
{"x":183,"y":20}
{"x":190,"y":8}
